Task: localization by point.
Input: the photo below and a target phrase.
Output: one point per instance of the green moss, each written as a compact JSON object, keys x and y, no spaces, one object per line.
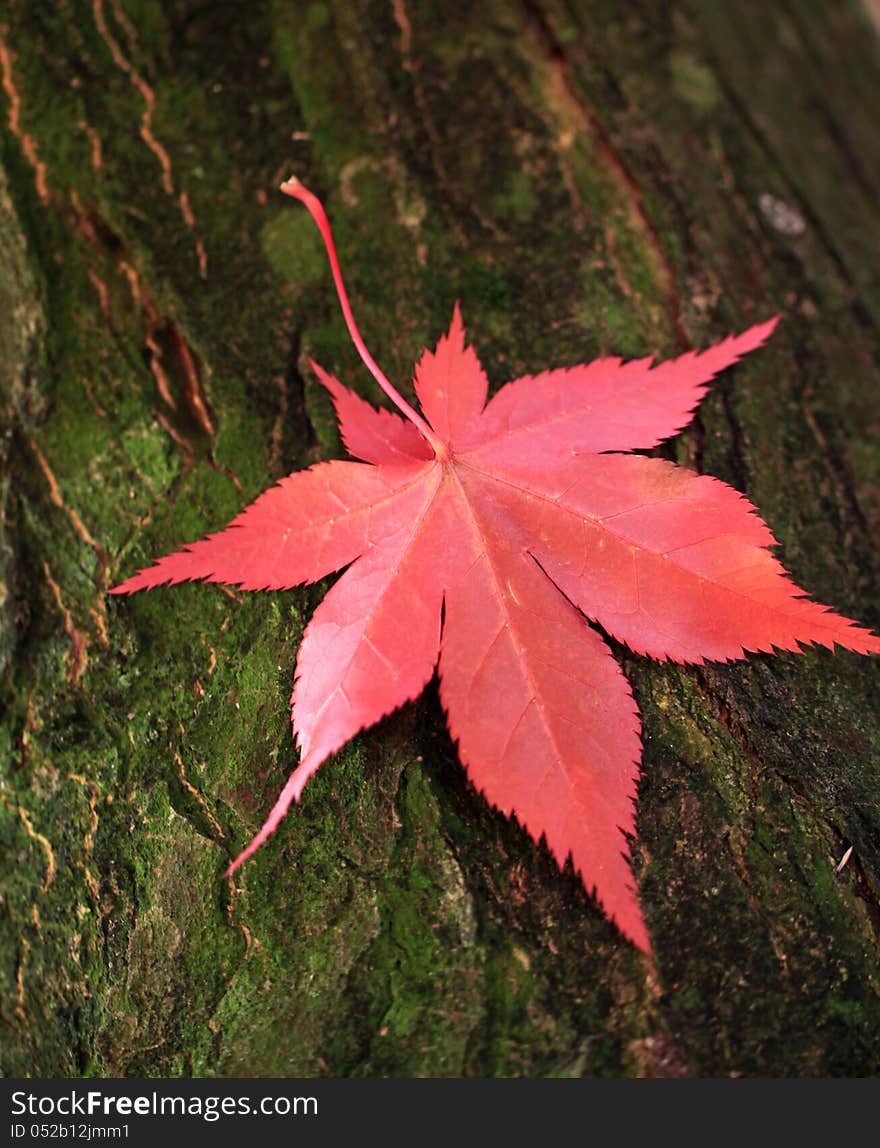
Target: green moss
{"x":693,"y":81}
{"x":317,"y":17}
{"x":518,"y":198}
{"x":292,"y":246}
{"x":485,"y":285}
{"x":606,"y":318}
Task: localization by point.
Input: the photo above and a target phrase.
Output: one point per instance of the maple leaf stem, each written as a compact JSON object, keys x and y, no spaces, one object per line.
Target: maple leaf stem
{"x":315,"y":208}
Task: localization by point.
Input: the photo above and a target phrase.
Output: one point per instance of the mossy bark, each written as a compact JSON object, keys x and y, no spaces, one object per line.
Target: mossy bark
{"x":587,"y":178}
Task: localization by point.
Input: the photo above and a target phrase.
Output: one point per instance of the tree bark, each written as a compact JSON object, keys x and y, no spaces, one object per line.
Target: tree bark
{"x":588,"y":178}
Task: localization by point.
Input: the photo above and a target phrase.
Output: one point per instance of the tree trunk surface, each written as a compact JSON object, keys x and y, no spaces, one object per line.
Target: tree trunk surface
{"x":588,"y":178}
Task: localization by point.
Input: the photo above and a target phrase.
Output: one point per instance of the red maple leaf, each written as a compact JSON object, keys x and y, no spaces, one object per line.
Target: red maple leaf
{"x":490,"y":535}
